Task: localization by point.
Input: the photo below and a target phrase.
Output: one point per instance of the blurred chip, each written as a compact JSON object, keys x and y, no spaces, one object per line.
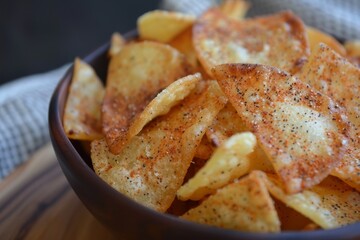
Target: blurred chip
{"x":163,"y":26}
{"x":83,"y":104}
{"x":316,"y":37}
{"x":235,"y":9}
{"x":243,"y":205}
{"x":229,"y":161}
{"x":153,"y":165}
{"x":300,"y":130}
{"x":135,"y":76}
{"x":333,"y":75}
{"x":329,"y":204}
{"x":116,"y":44}
{"x":278,"y":40}
{"x":205,"y":149}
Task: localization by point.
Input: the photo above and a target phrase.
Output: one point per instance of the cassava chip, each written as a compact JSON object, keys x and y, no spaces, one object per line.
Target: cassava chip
{"x":299,"y":129}
{"x":83,"y":106}
{"x":316,"y":37}
{"x":333,"y":75}
{"x":243,"y":205}
{"x":278,"y":40}
{"x":162,"y":103}
{"x":135,"y":75}
{"x":117,"y":43}
{"x":163,"y":26}
{"x":235,"y":9}
{"x":228,"y":123}
{"x":329,"y":204}
{"x":205,"y":149}
{"x":153,"y":165}
{"x":229,"y":161}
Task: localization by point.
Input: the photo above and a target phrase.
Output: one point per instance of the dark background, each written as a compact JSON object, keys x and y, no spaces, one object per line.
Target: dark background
{"x":38,"y":36}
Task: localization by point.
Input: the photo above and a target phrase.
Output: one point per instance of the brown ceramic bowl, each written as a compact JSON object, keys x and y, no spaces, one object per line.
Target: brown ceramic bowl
{"x":123,"y":216}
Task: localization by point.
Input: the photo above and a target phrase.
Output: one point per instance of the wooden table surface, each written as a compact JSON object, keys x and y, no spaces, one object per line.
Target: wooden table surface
{"x":36,"y":202}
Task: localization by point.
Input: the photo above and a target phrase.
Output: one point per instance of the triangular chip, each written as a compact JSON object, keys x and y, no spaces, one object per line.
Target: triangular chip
{"x":329,"y":204}
{"x":135,"y":76}
{"x":299,"y":129}
{"x":333,"y":75}
{"x":244,"y":205}
{"x":116,"y":44}
{"x":83,"y":106}
{"x":316,"y":37}
{"x":162,"y":25}
{"x":235,"y":9}
{"x":153,"y":165}
{"x":229,"y":161}
{"x":278,"y":40}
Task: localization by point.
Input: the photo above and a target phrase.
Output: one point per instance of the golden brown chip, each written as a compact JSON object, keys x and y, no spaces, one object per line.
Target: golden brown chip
{"x":205,"y":149}
{"x":333,"y":75}
{"x":83,"y":104}
{"x":329,"y":204}
{"x":243,"y":205}
{"x":226,"y":124}
{"x":278,"y":40}
{"x":163,"y":26}
{"x":235,"y":9}
{"x":229,"y":161}
{"x":116,"y":44}
{"x":153,"y":165}
{"x":162,"y":104}
{"x":135,"y":76}
{"x":352,"y":48}
{"x":316,"y":37}
{"x":300,"y":130}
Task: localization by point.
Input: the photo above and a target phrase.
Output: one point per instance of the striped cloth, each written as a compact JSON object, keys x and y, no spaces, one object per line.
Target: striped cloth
{"x":24,"y":102}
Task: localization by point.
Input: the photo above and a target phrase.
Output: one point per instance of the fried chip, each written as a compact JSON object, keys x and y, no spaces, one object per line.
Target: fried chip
{"x":243,"y":205}
{"x":316,"y":37}
{"x":135,"y":76}
{"x":229,"y":161}
{"x":329,"y":204}
{"x":162,"y":103}
{"x":333,"y":75}
{"x":278,"y":40}
{"x":228,"y":123}
{"x":153,"y":165}
{"x":205,"y":149}
{"x":299,"y":129}
{"x":116,"y":44}
{"x":235,"y":9}
{"x":163,"y":26}
{"x":83,"y":105}
{"x":225,"y":124}
{"x":352,"y":48}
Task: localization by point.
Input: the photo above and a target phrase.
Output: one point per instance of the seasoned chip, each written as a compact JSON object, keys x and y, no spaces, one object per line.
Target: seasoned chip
{"x":162,"y":103}
{"x":205,"y":149}
{"x":333,"y":75}
{"x":235,"y":9}
{"x":153,"y":165}
{"x":300,"y":130}
{"x":117,"y":43}
{"x":163,"y":26}
{"x":229,"y":161}
{"x":316,"y":37}
{"x":244,"y":205}
{"x":226,"y":124}
{"x":136,"y":74}
{"x":329,"y":204}
{"x":278,"y":40}
{"x":83,"y":104}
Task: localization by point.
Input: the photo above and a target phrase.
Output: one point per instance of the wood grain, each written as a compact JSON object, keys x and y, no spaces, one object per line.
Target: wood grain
{"x":36,"y":202}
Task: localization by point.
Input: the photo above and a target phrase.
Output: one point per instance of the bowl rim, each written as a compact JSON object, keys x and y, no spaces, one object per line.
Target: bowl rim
{"x":76,"y":163}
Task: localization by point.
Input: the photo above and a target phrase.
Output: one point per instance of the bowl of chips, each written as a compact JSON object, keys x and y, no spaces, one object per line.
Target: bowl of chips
{"x":213,"y":127}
